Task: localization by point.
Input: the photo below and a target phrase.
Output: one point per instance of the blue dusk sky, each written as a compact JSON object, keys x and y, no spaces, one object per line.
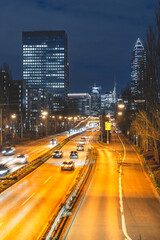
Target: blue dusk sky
{"x":101,"y":36}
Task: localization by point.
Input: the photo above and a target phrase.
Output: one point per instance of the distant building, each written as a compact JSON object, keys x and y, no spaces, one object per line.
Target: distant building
{"x":16,"y":103}
{"x":108,"y":101}
{"x":11,"y":101}
{"x":79,"y":103}
{"x":95,"y":93}
{"x":138,"y":65}
{"x":45,"y":72}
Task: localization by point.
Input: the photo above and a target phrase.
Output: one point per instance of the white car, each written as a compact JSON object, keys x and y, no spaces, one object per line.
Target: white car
{"x":53,"y":141}
{"x":21,"y":159}
{"x":3,"y":170}
{"x":81,"y":142}
{"x":8,"y":151}
{"x":80,"y":148}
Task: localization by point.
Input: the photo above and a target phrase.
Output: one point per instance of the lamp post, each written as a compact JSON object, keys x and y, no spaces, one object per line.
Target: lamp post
{"x":55,"y":127}
{"x":44,"y":116}
{"x":13,"y":117}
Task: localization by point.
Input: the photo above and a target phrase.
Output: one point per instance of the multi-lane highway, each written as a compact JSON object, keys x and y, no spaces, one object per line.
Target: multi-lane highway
{"x":121,"y":202}
{"x":27,"y":206}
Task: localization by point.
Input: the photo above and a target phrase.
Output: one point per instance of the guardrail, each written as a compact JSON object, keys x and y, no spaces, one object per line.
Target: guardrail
{"x":20,"y":173}
{"x":54,"y":226}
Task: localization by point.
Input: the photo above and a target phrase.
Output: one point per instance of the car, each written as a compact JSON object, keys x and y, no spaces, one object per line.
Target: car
{"x":8,"y":151}
{"x":57,"y":154}
{"x":3,"y":170}
{"x":118,"y":131}
{"x":53,"y":141}
{"x":67,"y":165}
{"x":83,"y":139}
{"x":21,"y":159}
{"x":86,"y":137}
{"x":80,"y":148}
{"x":73,"y":154}
{"x":81,"y":142}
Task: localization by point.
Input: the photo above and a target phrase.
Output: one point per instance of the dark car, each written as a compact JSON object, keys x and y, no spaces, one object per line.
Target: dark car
{"x":80,"y":148}
{"x":83,"y":139}
{"x":67,"y":165}
{"x":73,"y":154}
{"x":3,"y":170}
{"x":58,"y":154}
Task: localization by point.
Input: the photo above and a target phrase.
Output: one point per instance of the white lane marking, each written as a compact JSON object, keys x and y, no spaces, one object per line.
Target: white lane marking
{"x":1,"y":224}
{"x":40,"y":235}
{"x":47,"y":179}
{"x":121,"y":195}
{"x":28,"y":198}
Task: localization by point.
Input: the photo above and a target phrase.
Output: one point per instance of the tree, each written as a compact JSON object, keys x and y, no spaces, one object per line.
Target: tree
{"x":148,"y":130}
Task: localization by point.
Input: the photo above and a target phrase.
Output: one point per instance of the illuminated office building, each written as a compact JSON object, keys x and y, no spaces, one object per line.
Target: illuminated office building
{"x":79,"y":104}
{"x":95,"y":93}
{"x":45,"y":71}
{"x":137,"y":69}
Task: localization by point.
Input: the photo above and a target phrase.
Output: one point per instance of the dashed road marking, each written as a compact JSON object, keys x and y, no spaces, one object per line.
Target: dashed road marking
{"x":28,"y":198}
{"x":47,"y":179}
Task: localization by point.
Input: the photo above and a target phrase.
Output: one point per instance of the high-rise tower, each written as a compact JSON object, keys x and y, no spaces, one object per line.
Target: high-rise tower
{"x":45,"y":72}
{"x":138,"y":63}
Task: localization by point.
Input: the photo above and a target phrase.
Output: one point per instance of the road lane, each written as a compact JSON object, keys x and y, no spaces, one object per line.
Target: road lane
{"x":33,"y":149}
{"x":98,"y":216}
{"x":109,"y":200}
{"x":27,"y":205}
{"x":141,"y":202}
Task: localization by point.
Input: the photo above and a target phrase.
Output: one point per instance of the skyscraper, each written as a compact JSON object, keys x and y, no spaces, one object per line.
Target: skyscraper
{"x":95,"y":93}
{"x":45,"y":71}
{"x":138,"y":70}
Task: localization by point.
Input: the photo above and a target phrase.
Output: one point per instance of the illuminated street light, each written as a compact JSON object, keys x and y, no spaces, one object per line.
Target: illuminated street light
{"x":44,"y":113}
{"x":13,"y":116}
{"x":120,"y":113}
{"x":121,"y":105}
{"x":69,"y":118}
{"x":75,"y":118}
{"x":60,"y":117}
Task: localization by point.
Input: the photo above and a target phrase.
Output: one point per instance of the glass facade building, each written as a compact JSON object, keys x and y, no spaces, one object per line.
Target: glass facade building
{"x":95,"y":93}
{"x":45,"y":71}
{"x":137,"y":69}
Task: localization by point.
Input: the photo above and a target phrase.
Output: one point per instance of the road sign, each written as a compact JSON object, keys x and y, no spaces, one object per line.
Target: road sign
{"x":107,"y":126}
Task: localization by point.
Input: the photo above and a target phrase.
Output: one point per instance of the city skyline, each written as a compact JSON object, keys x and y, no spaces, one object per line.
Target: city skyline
{"x":104,"y":35}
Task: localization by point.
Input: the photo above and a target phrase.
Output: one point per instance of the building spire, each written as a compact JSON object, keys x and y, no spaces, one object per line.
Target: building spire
{"x":138,"y":45}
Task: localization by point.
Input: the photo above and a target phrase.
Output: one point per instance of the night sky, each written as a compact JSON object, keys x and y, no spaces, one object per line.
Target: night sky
{"x":101,"y":35}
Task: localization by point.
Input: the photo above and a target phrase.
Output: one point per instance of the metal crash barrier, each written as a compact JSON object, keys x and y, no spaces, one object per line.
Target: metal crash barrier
{"x":55,"y":225}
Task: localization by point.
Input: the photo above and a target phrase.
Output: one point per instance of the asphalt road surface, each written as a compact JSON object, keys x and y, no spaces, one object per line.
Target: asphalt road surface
{"x":27,"y":206}
{"x":121,"y":202}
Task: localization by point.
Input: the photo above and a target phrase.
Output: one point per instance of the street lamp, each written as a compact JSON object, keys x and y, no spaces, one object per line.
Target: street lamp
{"x":44,"y":113}
{"x":121,"y":105}
{"x":120,"y":113}
{"x":44,"y":116}
{"x":13,"y":117}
